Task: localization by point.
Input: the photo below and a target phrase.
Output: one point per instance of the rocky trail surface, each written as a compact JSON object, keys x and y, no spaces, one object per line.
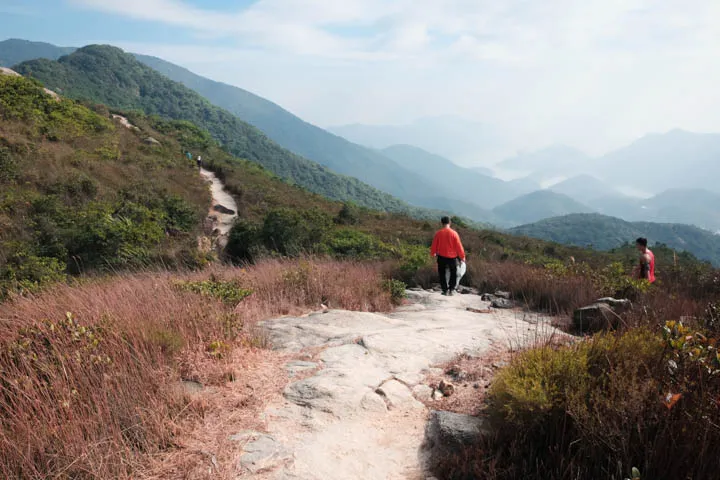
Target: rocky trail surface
{"x":356,"y":404}
{"x":223,"y":211}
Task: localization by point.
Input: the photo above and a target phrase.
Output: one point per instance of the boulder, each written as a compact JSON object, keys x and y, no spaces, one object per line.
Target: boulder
{"x":618,"y":305}
{"x":447,"y":433}
{"x":151,"y":141}
{"x":594,"y":318}
{"x":223,"y":209}
{"x":487,"y":297}
{"x":501,"y":303}
{"x":8,"y":72}
{"x":505,"y":295}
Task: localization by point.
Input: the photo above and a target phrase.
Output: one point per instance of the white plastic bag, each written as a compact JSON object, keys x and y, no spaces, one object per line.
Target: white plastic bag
{"x":461,"y":269}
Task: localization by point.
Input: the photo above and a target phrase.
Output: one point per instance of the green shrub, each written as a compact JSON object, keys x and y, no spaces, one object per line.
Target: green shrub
{"x":243,"y":240}
{"x":229,"y":292}
{"x":355,"y":244}
{"x":396,"y":289}
{"x":292,"y":232}
{"x":8,"y":166}
{"x":349,"y":215}
{"x":24,"y":272}
{"x":603,"y":406}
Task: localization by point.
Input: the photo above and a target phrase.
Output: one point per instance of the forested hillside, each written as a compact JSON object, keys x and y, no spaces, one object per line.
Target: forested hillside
{"x":605,"y":233}
{"x":107,"y":75}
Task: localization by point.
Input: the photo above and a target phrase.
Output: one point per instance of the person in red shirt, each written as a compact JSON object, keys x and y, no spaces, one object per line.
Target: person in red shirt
{"x":447,"y":247}
{"x":646,"y":269}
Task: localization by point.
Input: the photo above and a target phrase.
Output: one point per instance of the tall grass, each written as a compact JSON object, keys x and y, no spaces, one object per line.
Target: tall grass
{"x":89,"y":374}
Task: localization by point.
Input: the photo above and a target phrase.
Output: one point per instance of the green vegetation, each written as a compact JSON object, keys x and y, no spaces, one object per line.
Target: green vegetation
{"x":642,"y":400}
{"x":107,"y":75}
{"x":79,"y":193}
{"x":607,"y":233}
{"x":230,"y":292}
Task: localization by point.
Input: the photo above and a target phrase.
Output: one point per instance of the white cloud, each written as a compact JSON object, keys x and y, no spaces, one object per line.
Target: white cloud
{"x":592,"y":73}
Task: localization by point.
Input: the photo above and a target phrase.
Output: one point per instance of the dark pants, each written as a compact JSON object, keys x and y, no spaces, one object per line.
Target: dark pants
{"x":443,"y":264}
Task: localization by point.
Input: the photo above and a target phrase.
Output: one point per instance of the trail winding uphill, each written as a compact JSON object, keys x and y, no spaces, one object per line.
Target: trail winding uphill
{"x":354,"y":411}
{"x":223,"y":211}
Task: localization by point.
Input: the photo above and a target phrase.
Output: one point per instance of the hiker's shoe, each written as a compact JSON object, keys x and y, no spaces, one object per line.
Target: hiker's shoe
{"x":451,"y":293}
{"x":444,"y":293}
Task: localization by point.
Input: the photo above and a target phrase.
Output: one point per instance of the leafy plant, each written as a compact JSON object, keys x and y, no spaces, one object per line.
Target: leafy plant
{"x":229,"y":292}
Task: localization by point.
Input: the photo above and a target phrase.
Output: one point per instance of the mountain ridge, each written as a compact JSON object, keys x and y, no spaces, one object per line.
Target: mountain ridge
{"x":603,"y":232}
{"x":106,"y":74}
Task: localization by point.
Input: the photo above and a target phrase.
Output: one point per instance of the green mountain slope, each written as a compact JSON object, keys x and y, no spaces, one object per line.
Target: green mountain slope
{"x":605,"y":233}
{"x":14,"y":51}
{"x":107,"y":75}
{"x":325,"y":148}
{"x":539,"y":205}
{"x":79,"y":192}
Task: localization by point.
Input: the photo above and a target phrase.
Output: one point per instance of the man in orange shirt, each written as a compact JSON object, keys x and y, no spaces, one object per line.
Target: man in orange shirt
{"x":447,"y":247}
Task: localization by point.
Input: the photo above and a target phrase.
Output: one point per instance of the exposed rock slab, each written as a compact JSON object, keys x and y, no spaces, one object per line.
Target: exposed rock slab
{"x":359,"y":416}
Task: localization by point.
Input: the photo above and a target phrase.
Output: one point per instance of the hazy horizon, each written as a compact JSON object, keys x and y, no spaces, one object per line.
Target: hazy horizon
{"x":593,"y":76}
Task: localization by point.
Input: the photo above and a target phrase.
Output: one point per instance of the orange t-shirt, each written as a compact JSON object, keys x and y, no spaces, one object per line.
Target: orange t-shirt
{"x":446,"y":243}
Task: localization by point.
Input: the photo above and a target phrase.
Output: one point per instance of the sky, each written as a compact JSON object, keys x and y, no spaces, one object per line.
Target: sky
{"x":593,"y":74}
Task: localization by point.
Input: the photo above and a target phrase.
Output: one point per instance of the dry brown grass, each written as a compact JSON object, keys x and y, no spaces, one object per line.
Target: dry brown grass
{"x":95,"y":394}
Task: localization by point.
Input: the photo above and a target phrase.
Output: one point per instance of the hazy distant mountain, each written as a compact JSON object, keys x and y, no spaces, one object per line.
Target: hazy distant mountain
{"x":483,"y":171}
{"x":548,"y":162}
{"x":692,"y":206}
{"x":658,"y":162}
{"x":621,"y":206}
{"x":539,"y":205}
{"x":452,"y":137}
{"x":14,"y":51}
{"x":525,"y":185}
{"x":451,"y":179}
{"x":604,"y":233}
{"x":584,"y":188}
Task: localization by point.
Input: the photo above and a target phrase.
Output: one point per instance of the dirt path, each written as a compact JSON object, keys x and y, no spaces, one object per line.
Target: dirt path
{"x":355,"y":412}
{"x":223,"y":211}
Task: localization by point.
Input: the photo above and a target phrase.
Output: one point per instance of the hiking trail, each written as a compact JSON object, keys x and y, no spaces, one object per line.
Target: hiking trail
{"x":352,"y":409}
{"x":223,"y":211}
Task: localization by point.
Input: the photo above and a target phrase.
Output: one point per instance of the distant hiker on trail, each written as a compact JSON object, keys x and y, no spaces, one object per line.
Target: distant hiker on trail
{"x":189,"y":155}
{"x":646,"y":268}
{"x":447,"y":247}
{"x":199,"y":161}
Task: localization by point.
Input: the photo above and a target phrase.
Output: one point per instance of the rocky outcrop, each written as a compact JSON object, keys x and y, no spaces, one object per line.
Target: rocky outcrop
{"x":223,"y":209}
{"x":448,"y":433}
{"x":604,"y":314}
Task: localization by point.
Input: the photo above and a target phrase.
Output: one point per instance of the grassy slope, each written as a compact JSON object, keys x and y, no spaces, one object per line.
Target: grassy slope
{"x":107,"y":75}
{"x":78,"y":191}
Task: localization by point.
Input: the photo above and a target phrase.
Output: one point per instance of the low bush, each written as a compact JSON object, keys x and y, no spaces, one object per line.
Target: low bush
{"x":396,"y":288}
{"x":599,"y":408}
